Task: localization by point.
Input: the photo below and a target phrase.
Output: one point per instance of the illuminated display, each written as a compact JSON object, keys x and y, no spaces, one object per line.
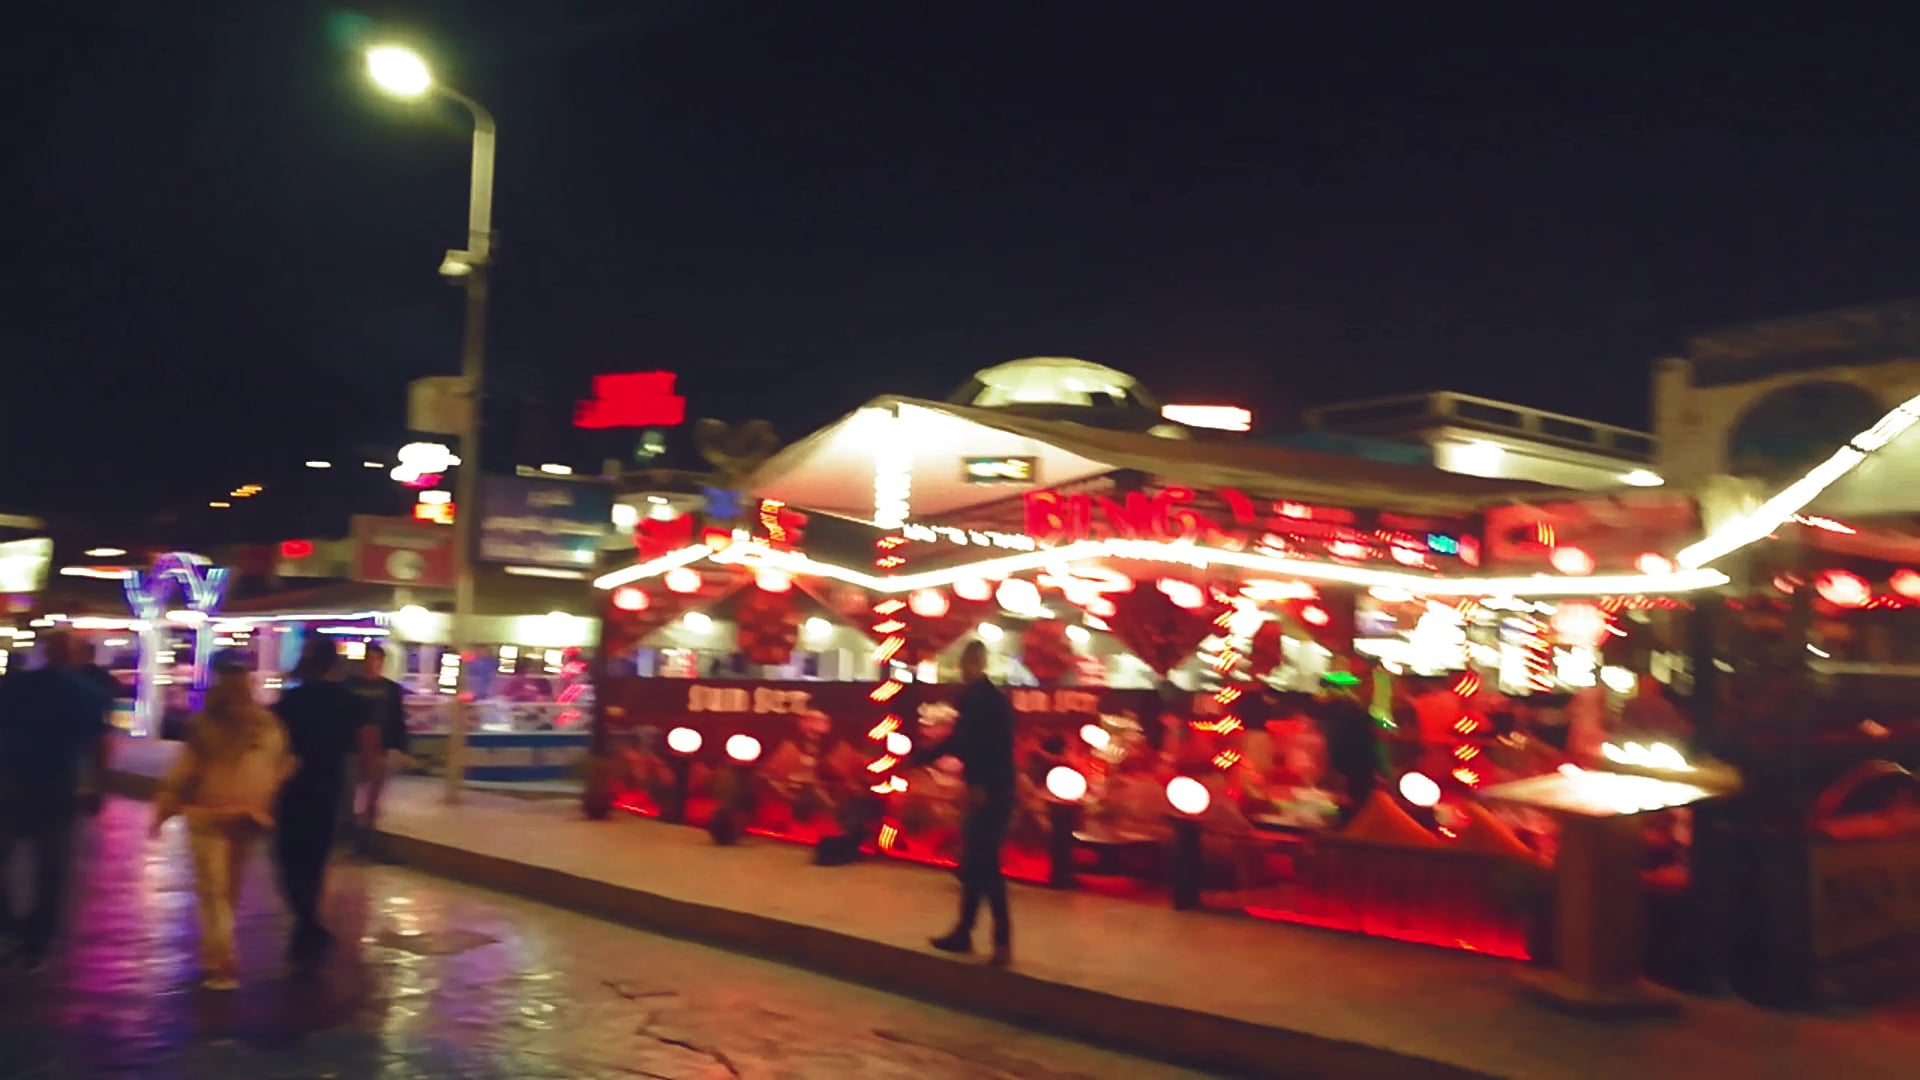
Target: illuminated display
{"x":1217,"y":417}
{"x":1233,"y":521}
{"x":634,"y":400}
{"x":1000,"y":470}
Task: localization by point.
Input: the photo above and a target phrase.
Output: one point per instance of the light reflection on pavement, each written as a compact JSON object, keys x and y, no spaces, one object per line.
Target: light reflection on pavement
{"x":443,"y":980}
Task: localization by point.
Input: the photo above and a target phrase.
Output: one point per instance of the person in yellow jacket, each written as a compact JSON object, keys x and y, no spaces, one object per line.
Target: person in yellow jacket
{"x":224,"y":781}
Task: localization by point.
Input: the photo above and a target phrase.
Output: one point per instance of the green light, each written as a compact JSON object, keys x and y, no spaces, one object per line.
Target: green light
{"x":1340,"y":678}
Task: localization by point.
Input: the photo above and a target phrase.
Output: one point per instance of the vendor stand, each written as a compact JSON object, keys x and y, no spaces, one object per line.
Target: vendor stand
{"x":1150,"y":603}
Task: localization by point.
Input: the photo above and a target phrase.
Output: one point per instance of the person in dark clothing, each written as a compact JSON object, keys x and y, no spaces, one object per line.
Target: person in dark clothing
{"x":1353,"y":752}
{"x":49,"y":720}
{"x":982,"y":741}
{"x":386,"y":704}
{"x":325,"y":724}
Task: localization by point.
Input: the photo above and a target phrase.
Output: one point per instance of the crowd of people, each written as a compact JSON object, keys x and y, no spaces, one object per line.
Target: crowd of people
{"x":244,"y":772}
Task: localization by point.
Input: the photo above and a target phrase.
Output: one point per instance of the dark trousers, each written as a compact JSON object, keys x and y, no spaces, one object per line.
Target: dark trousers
{"x":982,"y":833}
{"x":45,"y":825}
{"x":301,"y":846}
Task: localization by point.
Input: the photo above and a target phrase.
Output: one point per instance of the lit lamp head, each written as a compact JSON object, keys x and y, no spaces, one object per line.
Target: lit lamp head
{"x":399,"y":71}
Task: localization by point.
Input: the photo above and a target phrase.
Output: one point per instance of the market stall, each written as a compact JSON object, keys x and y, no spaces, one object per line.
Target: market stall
{"x":1181,"y":627}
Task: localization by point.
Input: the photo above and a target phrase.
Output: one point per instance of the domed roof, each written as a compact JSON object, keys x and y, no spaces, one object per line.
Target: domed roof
{"x":1053,"y":380}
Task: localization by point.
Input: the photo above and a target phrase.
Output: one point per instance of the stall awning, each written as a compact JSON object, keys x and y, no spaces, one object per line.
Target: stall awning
{"x":831,"y":471}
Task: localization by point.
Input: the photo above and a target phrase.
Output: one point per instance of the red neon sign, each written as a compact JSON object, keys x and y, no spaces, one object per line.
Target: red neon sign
{"x":295,"y":549}
{"x":1242,"y":522}
{"x":637,"y":399}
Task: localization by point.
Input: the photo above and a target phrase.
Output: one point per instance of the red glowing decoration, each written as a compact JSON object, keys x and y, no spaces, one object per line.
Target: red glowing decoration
{"x":1843,"y":588}
{"x":630,"y":599}
{"x":928,"y":603}
{"x":1470,"y":551}
{"x":683,"y":580}
{"x":1315,"y":615}
{"x":636,"y":400}
{"x":1906,"y":582}
{"x":295,"y":549}
{"x":1572,"y":561}
{"x":772,"y":580}
{"x":973,"y":588}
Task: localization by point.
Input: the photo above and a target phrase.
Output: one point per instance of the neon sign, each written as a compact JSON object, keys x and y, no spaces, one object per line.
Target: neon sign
{"x":634,"y":400}
{"x":1231,"y":520}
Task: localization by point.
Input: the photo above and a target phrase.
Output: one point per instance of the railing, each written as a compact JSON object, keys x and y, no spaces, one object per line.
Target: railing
{"x":1414,"y":412}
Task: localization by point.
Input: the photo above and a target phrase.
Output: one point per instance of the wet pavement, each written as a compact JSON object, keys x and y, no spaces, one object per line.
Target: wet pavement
{"x":444,"y":980}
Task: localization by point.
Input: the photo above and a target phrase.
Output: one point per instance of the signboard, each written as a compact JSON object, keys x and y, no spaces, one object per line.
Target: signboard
{"x":1866,"y":896}
{"x":769,"y":709}
{"x":1000,"y":470}
{"x":24,"y":565}
{"x":1234,"y":521}
{"x":639,"y":399}
{"x":556,"y":524}
{"x":401,"y":551}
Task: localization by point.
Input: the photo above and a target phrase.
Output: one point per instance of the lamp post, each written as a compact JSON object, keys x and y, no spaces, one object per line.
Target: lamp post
{"x":401,"y":72}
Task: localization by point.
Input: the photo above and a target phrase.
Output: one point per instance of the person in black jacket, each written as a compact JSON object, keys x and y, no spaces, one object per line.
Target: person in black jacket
{"x":982,"y":741}
{"x":386,"y":704}
{"x":50,"y":719}
{"x":325,"y":724}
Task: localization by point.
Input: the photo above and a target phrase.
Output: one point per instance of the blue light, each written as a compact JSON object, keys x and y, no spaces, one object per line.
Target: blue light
{"x":1442,"y":545}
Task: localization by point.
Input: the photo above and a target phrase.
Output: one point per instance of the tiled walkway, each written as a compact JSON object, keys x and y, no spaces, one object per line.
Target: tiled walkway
{"x":1427,"y":1003}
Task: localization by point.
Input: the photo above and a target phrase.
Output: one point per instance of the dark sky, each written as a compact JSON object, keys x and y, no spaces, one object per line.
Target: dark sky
{"x":222,"y":246}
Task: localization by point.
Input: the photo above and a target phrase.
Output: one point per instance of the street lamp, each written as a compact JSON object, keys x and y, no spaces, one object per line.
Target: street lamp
{"x":401,"y":72}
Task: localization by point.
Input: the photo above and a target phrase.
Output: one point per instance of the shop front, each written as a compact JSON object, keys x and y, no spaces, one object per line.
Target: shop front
{"x":1194,"y":635}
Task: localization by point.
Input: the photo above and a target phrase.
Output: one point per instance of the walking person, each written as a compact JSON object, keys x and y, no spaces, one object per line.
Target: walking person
{"x":386,"y":704}
{"x":982,"y":741}
{"x":325,"y":725}
{"x":49,"y":721}
{"x":224,"y":781}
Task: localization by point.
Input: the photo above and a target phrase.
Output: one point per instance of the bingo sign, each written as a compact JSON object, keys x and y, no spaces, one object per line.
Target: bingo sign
{"x":553,"y":524}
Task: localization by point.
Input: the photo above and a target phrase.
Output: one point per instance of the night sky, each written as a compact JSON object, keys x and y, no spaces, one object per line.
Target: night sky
{"x":222,"y":246}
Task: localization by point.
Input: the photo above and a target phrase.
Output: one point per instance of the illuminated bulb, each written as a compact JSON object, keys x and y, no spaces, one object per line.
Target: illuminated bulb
{"x":398,"y":70}
{"x":1189,"y":796}
{"x":1102,"y":608}
{"x":1617,"y":679}
{"x":1066,"y":784}
{"x":1572,"y":561}
{"x":743,"y":748}
{"x":1419,"y":789}
{"x":1652,"y":563}
{"x":1078,"y":635}
{"x":1315,"y":615}
{"x":697,"y":622}
{"x":1904,"y":581}
{"x":684,"y":740}
{"x":1184,"y":594}
{"x":1245,"y":621}
{"x":625,"y":516}
{"x":990,"y":633}
{"x":630,"y":599}
{"x":898,"y":744}
{"x":1018,"y":595}
{"x":928,"y":603}
{"x":1095,"y":736}
{"x":771,"y":580}
{"x":818,"y":628}
{"x":1842,"y":588}
{"x":683,"y":580}
{"x":319,"y":464}
{"x":1642,"y":478}
{"x":973,"y":588}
